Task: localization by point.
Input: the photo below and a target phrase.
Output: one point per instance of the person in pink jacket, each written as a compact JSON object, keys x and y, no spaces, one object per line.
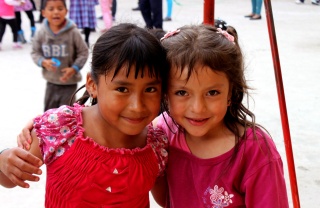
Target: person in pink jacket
{"x":7,"y":16}
{"x":106,"y":6}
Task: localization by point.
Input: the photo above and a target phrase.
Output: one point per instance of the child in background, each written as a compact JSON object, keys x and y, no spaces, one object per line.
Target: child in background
{"x":107,"y":154}
{"x":169,"y":10}
{"x":7,"y":16}
{"x":219,"y":156}
{"x":28,"y":8}
{"x":60,"y":39}
{"x":106,"y":6}
{"x":83,"y":13}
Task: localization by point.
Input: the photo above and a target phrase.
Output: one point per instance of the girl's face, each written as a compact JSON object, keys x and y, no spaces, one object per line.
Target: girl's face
{"x":55,"y":12}
{"x":199,"y":104}
{"x":127,"y":104}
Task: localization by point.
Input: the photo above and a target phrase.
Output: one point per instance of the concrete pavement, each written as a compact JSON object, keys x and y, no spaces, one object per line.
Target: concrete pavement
{"x":297,"y":31}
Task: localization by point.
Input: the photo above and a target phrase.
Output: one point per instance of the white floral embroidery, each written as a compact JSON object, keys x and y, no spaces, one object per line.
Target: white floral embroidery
{"x":63,"y":140}
{"x":216,"y":193}
{"x":218,"y":197}
{"x":227,"y":197}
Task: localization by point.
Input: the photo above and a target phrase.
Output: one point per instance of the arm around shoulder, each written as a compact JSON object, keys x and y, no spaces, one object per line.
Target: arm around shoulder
{"x":17,"y":166}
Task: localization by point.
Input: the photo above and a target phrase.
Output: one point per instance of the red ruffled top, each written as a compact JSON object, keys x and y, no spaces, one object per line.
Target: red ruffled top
{"x":82,"y":173}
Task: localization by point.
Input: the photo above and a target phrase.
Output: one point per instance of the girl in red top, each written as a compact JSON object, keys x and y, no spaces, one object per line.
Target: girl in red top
{"x":107,"y":154}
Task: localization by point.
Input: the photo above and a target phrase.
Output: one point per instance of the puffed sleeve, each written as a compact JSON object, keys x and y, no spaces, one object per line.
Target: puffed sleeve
{"x":159,"y":144}
{"x":56,"y":130}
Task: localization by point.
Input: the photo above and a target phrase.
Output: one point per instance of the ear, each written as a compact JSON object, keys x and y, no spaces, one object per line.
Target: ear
{"x":43,"y":13}
{"x":91,"y":86}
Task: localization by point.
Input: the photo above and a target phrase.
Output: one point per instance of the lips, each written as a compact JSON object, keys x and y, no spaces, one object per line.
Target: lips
{"x":135,"y":120}
{"x":197,"y":122}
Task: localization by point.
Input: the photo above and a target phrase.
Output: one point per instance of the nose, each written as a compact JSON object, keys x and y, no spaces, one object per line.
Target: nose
{"x":198,"y":104}
{"x":137,"y":103}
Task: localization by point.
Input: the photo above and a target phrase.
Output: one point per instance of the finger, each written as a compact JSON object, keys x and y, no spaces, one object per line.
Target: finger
{"x":26,"y":135}
{"x":19,"y":182}
{"x":29,"y":162}
{"x":23,"y":176}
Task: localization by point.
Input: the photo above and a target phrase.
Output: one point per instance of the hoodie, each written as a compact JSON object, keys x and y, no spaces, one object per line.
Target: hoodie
{"x":67,"y":46}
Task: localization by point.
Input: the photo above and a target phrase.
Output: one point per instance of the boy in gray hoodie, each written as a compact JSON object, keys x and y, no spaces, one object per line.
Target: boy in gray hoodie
{"x":61,"y":52}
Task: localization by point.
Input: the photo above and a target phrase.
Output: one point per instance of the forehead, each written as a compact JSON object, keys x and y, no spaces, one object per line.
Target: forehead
{"x":55,"y":3}
{"x":200,"y":74}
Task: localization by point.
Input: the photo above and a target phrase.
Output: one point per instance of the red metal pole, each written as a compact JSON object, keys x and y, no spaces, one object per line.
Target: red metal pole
{"x":208,"y":14}
{"x":282,"y":105}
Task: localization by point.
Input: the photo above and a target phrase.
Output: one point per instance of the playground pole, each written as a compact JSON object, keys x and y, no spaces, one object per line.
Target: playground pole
{"x":208,"y":14}
{"x":282,"y":105}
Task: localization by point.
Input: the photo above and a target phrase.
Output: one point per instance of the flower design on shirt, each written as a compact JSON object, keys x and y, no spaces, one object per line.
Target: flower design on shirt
{"x":67,"y":111}
{"x":60,"y":151}
{"x":51,"y":139}
{"x":219,"y":204}
{"x":71,"y":141}
{"x":227,"y":197}
{"x":219,"y":198}
{"x":52,"y":118}
{"x":216,"y":193}
{"x":63,"y":140}
{"x":164,"y":152}
{"x":51,"y":149}
{"x":64,"y":130}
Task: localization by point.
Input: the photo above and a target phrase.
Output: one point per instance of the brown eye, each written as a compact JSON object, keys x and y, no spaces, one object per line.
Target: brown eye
{"x":181,"y":93}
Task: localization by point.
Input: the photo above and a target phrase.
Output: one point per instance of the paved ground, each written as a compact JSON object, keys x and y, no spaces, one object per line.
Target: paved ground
{"x":298,"y":30}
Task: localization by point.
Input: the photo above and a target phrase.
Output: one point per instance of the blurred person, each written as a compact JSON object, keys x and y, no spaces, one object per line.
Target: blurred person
{"x":106,"y":13}
{"x":313,"y":2}
{"x":59,"y":40}
{"x":256,"y":10}
{"x":151,"y":11}
{"x":28,"y":8}
{"x":83,"y":13}
{"x":169,"y":11}
{"x":7,"y":16}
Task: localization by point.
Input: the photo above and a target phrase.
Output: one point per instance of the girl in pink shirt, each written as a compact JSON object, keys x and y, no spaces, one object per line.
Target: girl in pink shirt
{"x":218,"y":156}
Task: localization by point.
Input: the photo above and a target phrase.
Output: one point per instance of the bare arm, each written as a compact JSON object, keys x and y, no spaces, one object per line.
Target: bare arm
{"x":160,"y":190}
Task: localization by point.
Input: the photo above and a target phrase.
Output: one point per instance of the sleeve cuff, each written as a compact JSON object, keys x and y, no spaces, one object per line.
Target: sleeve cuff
{"x":76,"y":68}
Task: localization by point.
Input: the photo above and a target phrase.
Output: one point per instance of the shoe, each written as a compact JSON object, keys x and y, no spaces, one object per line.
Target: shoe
{"x":249,"y":15}
{"x":255,"y":17}
{"x":136,"y":9}
{"x":299,"y":2}
{"x":167,"y":19}
{"x":33,"y":31}
{"x":21,"y":38}
{"x":315,"y":2}
{"x":17,"y":45}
